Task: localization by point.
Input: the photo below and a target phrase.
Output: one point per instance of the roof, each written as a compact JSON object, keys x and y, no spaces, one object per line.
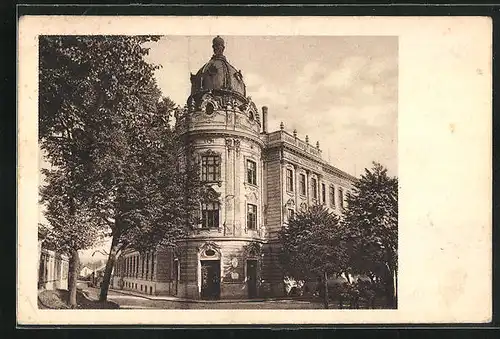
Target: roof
{"x":218,"y":73}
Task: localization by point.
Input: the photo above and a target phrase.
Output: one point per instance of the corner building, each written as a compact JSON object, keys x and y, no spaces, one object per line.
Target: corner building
{"x":262,"y":178}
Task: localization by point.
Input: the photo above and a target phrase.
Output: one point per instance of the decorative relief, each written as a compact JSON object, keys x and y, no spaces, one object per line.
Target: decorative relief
{"x":209,"y":250}
{"x":303,"y":206}
{"x":233,"y":144}
{"x":252,"y":250}
{"x":251,"y":197}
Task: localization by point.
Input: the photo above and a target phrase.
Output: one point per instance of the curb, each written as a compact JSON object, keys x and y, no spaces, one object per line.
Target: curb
{"x":220,"y":301}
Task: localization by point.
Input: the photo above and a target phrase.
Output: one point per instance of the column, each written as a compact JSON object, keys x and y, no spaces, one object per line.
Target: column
{"x":228,"y":197}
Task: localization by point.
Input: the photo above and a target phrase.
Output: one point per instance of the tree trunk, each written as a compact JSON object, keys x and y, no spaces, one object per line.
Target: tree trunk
{"x":396,"y":287}
{"x":109,"y":269}
{"x":74,"y":262}
{"x":390,"y":287}
{"x":325,"y":293}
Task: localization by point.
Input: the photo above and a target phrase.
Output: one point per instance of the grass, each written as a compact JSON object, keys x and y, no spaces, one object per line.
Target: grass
{"x":57,"y":299}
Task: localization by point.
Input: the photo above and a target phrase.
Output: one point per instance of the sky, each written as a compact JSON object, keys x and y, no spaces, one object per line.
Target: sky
{"x":340,"y":90}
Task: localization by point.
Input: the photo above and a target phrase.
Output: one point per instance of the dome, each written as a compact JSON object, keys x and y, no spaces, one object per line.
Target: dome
{"x":218,"y":73}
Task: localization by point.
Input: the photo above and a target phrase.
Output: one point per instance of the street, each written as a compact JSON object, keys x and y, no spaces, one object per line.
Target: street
{"x":136,"y":302}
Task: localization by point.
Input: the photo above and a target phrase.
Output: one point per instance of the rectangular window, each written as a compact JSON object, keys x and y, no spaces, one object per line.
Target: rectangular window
{"x":136,"y":267}
{"x":291,"y":213}
{"x":289,"y":180}
{"x":341,"y":197}
{"x":210,"y":168}
{"x":143,"y":265}
{"x":302,"y":184}
{"x":332,"y":196}
{"x":323,"y":193}
{"x":314,"y":188}
{"x":152,"y":266}
{"x":210,"y":215}
{"x":251,"y":172}
{"x":251,"y":217}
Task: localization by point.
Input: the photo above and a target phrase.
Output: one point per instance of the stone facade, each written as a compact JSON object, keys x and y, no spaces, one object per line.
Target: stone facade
{"x":261,"y":178}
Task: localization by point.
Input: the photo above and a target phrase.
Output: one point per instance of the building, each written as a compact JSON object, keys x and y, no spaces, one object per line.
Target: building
{"x":52,"y":270}
{"x":53,"y":267}
{"x":85,"y":271}
{"x":262,"y":178}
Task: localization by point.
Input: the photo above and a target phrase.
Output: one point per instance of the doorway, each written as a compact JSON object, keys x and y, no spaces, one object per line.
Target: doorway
{"x":252,"y":278}
{"x":210,"y":279}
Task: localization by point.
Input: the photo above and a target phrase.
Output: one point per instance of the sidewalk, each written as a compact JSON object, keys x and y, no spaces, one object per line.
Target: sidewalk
{"x":177,"y":299}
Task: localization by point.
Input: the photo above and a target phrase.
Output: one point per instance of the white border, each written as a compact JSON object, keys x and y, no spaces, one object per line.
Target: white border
{"x":444,"y":165}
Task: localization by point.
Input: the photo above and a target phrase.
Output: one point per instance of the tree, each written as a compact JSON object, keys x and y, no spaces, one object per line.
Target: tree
{"x":371,"y":228}
{"x":100,"y":93}
{"x":71,"y":225}
{"x":88,"y":87}
{"x":155,"y":192}
{"x":312,"y":246}
{"x":63,"y":109}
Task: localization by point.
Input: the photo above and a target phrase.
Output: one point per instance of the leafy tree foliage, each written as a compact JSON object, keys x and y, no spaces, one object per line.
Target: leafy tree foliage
{"x":103,"y":119}
{"x":312,"y":246}
{"x":371,"y":228}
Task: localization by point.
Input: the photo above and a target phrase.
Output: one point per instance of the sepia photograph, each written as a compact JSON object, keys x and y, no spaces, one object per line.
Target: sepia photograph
{"x":211,"y":169}
{"x":206,"y":183}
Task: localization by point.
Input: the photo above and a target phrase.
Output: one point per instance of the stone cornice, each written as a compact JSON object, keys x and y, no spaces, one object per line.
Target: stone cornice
{"x":326,"y":167}
{"x":224,"y":133}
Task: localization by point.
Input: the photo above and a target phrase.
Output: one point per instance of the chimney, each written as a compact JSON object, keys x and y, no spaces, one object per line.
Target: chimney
{"x":264,"y":119}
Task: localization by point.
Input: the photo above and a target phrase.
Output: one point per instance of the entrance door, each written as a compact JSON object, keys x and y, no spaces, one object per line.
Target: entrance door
{"x":210,"y":279}
{"x":252,"y":278}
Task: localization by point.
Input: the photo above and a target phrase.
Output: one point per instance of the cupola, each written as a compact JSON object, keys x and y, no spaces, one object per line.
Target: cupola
{"x":218,"y":73}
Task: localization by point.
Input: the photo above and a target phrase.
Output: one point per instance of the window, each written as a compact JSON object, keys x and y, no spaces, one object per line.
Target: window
{"x":341,"y":197}
{"x":332,"y":196}
{"x":291,"y":213}
{"x":251,"y":172}
{"x":302,"y":184}
{"x":314,"y":188}
{"x":289,"y":180}
{"x":323,"y":193}
{"x":152,"y":265}
{"x":209,"y":109}
{"x":210,"y":168}
{"x":143,"y":265}
{"x":251,"y":217}
{"x":210,"y":215}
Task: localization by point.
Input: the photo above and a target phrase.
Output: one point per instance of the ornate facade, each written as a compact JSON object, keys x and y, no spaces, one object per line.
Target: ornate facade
{"x":262,"y":178}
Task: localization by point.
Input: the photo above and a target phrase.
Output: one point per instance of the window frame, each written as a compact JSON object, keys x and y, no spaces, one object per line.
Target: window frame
{"x":210,"y":218}
{"x":341,"y":197}
{"x":252,"y":223}
{"x":332,"y":196}
{"x":302,"y":184}
{"x":210,"y":168}
{"x":289,"y":180}
{"x":314,"y":187}
{"x":252,"y":180}
{"x":323,"y":193}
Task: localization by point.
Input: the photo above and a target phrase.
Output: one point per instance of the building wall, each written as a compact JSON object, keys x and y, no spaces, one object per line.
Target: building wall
{"x":53,"y":270}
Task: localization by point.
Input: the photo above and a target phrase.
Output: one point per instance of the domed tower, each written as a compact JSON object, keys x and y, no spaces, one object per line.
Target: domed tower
{"x":221,"y":128}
